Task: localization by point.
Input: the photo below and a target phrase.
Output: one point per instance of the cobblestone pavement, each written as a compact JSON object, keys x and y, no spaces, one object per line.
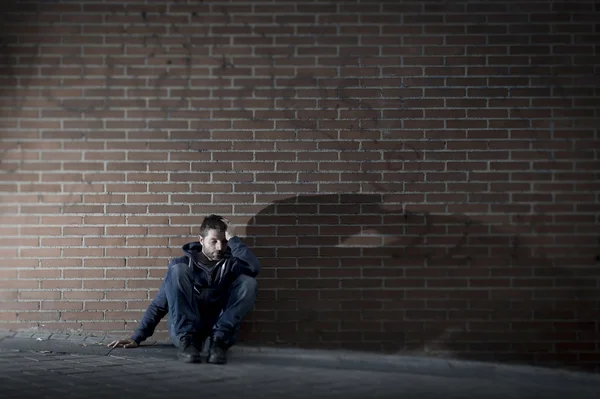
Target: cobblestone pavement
{"x":70,"y":370}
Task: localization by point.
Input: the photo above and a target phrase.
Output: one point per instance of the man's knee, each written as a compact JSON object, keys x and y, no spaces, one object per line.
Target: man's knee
{"x":178,"y":271}
{"x":245,"y":286}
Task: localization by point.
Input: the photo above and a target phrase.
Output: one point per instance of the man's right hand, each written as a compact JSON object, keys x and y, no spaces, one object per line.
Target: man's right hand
{"x":123,"y":343}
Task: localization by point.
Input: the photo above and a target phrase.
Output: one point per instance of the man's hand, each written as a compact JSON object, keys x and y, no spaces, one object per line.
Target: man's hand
{"x":123,"y":343}
{"x":230,"y":232}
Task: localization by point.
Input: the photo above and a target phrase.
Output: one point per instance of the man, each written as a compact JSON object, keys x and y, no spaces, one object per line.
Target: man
{"x":206,"y":293}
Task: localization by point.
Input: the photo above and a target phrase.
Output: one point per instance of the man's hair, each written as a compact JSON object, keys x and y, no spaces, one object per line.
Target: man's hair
{"x":212,"y":222}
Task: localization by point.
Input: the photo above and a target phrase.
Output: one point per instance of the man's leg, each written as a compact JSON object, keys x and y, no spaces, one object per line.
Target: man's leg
{"x":240,"y":301}
{"x":184,"y":316}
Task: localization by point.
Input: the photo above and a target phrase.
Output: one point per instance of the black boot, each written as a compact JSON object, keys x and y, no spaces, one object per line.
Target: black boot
{"x":187,"y":351}
{"x":218,"y":351}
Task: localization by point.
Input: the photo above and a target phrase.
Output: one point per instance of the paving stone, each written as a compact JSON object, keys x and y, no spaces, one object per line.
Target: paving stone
{"x":7,"y":334}
{"x":24,"y":334}
{"x":76,"y":337}
{"x":41,"y":335}
{"x":60,"y":337}
{"x":93,"y":340}
{"x":43,"y":374}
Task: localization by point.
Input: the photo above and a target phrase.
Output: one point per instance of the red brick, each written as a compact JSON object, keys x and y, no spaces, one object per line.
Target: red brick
{"x":60,"y":263}
{"x":104,"y":242}
{"x":82,"y":209}
{"x":190,"y":177}
{"x":170,"y":188}
{"x":22,"y":305}
{"x":103,"y":326}
{"x":127,"y":188}
{"x":104,"y":305}
{"x":42,"y":295}
{"x":62,"y":305}
{"x":79,"y":316}
{"x":126,"y":252}
{"x":147,"y":242}
{"x":111,"y":295}
{"x":61,"y":242}
{"x":18,"y":284}
{"x":40,"y":231}
{"x":39,"y":316}
{"x":104,"y":199}
{"x":146,"y":283}
{"x":81,"y":252}
{"x":128,"y":315}
{"x":133,"y":273}
{"x":39,"y":274}
{"x":234,"y":177}
{"x":8,"y":316}
{"x":103,"y":262}
{"x":177,"y":209}
{"x":100,"y":284}
{"x":82,"y":273}
{"x":146,"y":198}
{"x":138,"y":305}
{"x":125,"y":209}
{"x":58,"y":284}
{"x":126,"y":231}
{"x":86,"y":231}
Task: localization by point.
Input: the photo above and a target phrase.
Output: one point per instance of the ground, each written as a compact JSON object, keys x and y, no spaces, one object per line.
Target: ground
{"x":45,"y":365}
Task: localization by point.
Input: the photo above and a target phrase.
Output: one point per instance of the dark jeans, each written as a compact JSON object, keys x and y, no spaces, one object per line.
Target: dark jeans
{"x":188,"y":316}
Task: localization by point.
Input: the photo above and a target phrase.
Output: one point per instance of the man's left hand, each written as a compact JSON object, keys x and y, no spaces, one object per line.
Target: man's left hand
{"x":230,"y":232}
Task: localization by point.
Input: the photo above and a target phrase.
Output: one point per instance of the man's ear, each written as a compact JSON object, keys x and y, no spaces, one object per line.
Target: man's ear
{"x":201,"y":240}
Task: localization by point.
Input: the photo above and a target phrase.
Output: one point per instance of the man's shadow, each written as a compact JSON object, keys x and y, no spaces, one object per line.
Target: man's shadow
{"x":346,"y":271}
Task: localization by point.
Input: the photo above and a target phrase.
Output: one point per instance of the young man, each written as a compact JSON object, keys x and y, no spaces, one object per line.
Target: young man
{"x":206,"y":293}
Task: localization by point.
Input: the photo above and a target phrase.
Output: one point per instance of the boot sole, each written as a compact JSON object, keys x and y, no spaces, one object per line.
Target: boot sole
{"x":213,"y":361}
{"x":189,"y":359}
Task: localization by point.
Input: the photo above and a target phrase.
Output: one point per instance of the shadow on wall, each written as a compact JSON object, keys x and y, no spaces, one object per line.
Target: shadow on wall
{"x":15,"y":84}
{"x":346,"y":271}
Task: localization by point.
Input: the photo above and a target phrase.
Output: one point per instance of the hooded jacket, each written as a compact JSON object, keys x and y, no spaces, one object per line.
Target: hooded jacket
{"x":210,"y":283}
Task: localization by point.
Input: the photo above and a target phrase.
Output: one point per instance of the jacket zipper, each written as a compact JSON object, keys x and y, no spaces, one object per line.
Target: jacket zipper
{"x":209,"y":275}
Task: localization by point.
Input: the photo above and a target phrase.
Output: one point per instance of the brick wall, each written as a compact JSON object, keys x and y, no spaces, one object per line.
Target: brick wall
{"x":416,"y":176}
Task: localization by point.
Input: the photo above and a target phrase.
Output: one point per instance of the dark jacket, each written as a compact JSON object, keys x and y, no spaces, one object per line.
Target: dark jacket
{"x":209,"y":284}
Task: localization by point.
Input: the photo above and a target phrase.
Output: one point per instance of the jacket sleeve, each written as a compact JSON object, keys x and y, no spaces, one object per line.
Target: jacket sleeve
{"x":157,"y":309}
{"x":244,"y":261}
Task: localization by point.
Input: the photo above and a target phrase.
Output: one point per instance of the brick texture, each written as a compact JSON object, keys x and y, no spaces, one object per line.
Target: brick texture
{"x":416,"y":176}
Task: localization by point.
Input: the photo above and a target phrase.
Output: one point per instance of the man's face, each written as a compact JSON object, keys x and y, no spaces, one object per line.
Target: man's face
{"x":214,"y":244}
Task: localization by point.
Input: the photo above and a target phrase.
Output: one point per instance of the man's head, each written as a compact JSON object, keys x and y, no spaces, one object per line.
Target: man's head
{"x":212,"y":237}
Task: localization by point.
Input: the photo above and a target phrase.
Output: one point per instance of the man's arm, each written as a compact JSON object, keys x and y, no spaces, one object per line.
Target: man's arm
{"x":244,"y":260}
{"x":155,"y":312}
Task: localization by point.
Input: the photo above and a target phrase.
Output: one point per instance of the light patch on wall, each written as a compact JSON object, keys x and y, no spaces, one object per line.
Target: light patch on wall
{"x":370,"y":238}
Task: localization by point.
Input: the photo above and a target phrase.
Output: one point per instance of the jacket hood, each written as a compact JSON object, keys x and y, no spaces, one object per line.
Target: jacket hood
{"x":191,"y":250}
